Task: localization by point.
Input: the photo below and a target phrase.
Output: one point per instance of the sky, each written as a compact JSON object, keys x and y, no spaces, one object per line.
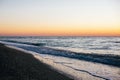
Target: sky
{"x":60,"y":17}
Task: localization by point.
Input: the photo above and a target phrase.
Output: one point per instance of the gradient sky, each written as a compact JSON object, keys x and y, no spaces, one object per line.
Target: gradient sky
{"x":60,"y":17}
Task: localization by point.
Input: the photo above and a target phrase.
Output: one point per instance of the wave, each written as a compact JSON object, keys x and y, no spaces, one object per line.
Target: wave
{"x":117,"y":42}
{"x":34,"y":44}
{"x":108,"y":59}
{"x":101,"y":48}
{"x":111,"y":42}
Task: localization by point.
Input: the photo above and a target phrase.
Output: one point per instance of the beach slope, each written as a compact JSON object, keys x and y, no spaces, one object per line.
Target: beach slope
{"x":18,"y":65}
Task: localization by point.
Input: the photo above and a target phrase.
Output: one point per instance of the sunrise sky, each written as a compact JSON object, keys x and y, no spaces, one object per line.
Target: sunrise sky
{"x":60,"y":17}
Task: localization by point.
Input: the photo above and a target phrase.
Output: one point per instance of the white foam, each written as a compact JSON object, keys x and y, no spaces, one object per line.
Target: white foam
{"x":80,"y":50}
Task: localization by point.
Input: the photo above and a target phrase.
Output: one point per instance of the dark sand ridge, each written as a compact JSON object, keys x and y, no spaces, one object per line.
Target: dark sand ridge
{"x":17,"y":65}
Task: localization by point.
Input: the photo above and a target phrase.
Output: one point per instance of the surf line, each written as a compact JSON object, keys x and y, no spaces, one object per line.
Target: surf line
{"x":87,"y":72}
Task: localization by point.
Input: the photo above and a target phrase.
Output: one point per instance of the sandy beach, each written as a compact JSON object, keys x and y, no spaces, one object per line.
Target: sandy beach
{"x":18,"y":65}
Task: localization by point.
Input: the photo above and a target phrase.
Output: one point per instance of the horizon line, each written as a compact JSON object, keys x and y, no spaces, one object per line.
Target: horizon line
{"x":57,"y":36}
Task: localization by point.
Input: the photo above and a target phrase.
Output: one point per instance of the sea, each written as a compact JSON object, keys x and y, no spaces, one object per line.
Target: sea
{"x":93,"y":58}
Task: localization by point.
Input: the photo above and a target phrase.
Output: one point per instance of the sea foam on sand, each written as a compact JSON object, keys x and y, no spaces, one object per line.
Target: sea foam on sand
{"x":77,"y":69}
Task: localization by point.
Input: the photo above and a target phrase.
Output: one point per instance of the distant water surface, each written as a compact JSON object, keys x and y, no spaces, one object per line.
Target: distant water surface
{"x":101,"y":45}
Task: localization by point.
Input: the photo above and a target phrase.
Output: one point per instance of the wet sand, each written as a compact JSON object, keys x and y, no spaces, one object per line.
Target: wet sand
{"x":18,"y":65}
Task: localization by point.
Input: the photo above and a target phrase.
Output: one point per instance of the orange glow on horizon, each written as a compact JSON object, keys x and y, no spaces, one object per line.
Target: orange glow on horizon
{"x":55,"y":31}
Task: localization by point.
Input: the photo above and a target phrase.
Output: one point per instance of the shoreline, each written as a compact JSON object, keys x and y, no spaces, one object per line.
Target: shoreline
{"x":17,"y":65}
{"x":75,"y":69}
{"x":62,"y":69}
{"x":102,"y":58}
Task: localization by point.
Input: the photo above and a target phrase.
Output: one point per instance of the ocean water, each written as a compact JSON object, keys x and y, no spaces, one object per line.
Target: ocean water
{"x":101,"y":45}
{"x":80,"y":54}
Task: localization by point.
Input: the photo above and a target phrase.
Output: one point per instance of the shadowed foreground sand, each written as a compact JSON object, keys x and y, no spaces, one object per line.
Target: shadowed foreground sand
{"x":17,"y":65}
